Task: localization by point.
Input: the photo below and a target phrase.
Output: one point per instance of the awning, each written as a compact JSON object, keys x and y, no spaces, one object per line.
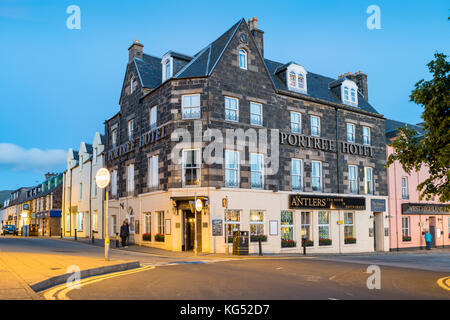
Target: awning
{"x":49,"y":213}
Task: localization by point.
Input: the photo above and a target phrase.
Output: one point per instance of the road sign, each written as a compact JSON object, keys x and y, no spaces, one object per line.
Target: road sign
{"x":102,"y":178}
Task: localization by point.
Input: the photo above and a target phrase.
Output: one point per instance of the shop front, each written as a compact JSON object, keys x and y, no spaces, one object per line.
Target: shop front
{"x":48,"y":223}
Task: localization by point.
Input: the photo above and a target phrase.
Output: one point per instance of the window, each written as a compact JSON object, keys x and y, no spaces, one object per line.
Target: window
{"x":191,"y":167}
{"x":296,"y":122}
{"x":95,"y":221}
{"x":130,"y":177}
{"x":256,"y":116}
{"x":190,"y":105}
{"x":94,"y":188}
{"x":231,"y":168}
{"x":153,"y":172}
{"x":346,"y":96}
{"x":292,"y":77}
{"x":301,"y":81}
{"x":114,"y":137}
{"x":232,"y":223}
{"x":94,"y":156}
{"x":368,"y":180}
{"x":315,"y":126}
{"x":287,"y":229}
{"x":448,"y":227}
{"x":114,"y":183}
{"x":114,"y":224}
{"x":353,"y":178}
{"x":366,"y":136}
{"x":242,"y":59}
{"x":231,"y":109}
{"x":324,"y":226}
{"x":306,"y":225}
{"x":148,"y":223}
{"x":404,"y":188}
{"x":405,"y":227}
{"x":160,"y":222}
{"x":350,"y":132}
{"x":353,"y":95}
{"x":80,"y":192}
{"x":349,"y":226}
{"x":67,"y":222}
{"x":153,"y":117}
{"x":256,"y":223}
{"x":168,"y":70}
{"x":80,"y":221}
{"x":316,"y":175}
{"x":132,"y":84}
{"x":297,"y":174}
{"x":130,"y":129}
{"x":256,"y":168}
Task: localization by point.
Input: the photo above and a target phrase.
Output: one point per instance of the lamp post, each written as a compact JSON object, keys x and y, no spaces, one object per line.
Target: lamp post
{"x":198,"y":206}
{"x":102,"y":179}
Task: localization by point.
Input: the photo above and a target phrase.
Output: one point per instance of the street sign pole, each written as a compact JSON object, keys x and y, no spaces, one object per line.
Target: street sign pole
{"x":106,"y":229}
{"x":196,"y":235}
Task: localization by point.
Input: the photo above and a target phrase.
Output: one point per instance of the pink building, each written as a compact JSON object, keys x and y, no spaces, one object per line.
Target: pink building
{"x":409,"y":216}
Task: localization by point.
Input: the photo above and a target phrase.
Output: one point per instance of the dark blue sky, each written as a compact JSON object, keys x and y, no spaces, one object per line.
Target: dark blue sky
{"x":57,"y":86}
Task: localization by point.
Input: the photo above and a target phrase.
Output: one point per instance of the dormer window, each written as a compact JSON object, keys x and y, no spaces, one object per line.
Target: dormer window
{"x":243,"y":59}
{"x":296,"y":78}
{"x":167,"y":67}
{"x":349,"y":93}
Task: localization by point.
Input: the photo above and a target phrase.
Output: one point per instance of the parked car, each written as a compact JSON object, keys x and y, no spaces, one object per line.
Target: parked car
{"x":10,"y":229}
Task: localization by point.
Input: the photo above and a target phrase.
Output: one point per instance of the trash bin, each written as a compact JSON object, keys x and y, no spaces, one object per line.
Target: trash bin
{"x":240,"y":243}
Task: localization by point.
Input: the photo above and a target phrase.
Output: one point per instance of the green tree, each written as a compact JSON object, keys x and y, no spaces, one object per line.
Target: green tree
{"x":432,"y":148}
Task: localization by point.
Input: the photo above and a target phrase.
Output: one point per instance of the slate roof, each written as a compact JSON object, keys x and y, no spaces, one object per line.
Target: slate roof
{"x":89,"y":148}
{"x":204,"y":62}
{"x":392,"y":126}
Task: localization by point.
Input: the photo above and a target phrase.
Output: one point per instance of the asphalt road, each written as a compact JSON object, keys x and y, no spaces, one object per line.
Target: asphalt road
{"x":286,"y":279}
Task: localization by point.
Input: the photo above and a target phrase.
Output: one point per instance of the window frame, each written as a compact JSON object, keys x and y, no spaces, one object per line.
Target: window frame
{"x":243,"y":53}
{"x":368,"y":184}
{"x":299,"y":124}
{"x":320,"y":176}
{"x":318,"y":126}
{"x":153,"y":117}
{"x":351,"y":135}
{"x":407,"y":228}
{"x":235,"y":170}
{"x":305,"y":225}
{"x":130,"y":182}
{"x":261,"y":172}
{"x":191,"y":106}
{"x":404,"y":188}
{"x":300,"y":175}
{"x":367,"y":141}
{"x":323,"y":225}
{"x":287,"y":225}
{"x":198,"y":168}
{"x":230,"y":110}
{"x":114,"y":137}
{"x":229,"y":223}
{"x":260,"y":115}
{"x":258,"y":223}
{"x":130,"y":129}
{"x":151,"y":174}
{"x":348,"y":225}
{"x":355,"y":180}
{"x":161,"y":226}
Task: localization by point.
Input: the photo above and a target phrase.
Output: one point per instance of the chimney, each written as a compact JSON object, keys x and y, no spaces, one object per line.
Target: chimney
{"x":360,"y":79}
{"x":135,"y":50}
{"x":257,"y":34}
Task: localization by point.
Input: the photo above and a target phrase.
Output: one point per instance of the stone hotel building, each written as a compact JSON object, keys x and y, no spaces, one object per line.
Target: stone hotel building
{"x":322,"y":176}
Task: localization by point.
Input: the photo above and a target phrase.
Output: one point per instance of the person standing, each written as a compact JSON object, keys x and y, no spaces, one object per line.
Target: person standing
{"x":428,"y":238}
{"x":128,"y":228}
{"x":124,"y":233}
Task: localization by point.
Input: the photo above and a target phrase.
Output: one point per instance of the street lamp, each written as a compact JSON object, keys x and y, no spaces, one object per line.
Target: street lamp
{"x":102,"y":179}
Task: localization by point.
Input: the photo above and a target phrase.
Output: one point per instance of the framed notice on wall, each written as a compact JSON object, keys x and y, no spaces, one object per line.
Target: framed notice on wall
{"x":217,"y":227}
{"x":168,"y":231}
{"x":273,"y":227}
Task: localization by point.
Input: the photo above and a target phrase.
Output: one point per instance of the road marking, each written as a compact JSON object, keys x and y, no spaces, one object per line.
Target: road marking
{"x":444,"y":283}
{"x":60,"y":292}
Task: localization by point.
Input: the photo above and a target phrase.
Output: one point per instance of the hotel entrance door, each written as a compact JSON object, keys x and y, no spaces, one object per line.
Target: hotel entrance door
{"x":189,"y":230}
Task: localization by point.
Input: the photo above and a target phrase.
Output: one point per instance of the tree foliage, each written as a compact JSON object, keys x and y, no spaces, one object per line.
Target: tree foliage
{"x":432,"y":148}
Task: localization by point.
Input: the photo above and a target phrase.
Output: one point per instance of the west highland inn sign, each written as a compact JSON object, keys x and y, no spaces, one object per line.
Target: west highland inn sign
{"x":298,"y":201}
{"x":425,"y":208}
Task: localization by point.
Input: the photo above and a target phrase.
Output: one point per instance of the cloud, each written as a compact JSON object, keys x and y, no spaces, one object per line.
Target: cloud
{"x":19,"y":159}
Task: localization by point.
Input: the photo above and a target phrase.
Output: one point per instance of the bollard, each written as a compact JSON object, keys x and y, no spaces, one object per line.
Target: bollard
{"x":117,"y":239}
{"x":93,"y":238}
{"x":75,"y":234}
{"x":304,"y":246}
{"x":61,"y":233}
{"x":260,"y":246}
